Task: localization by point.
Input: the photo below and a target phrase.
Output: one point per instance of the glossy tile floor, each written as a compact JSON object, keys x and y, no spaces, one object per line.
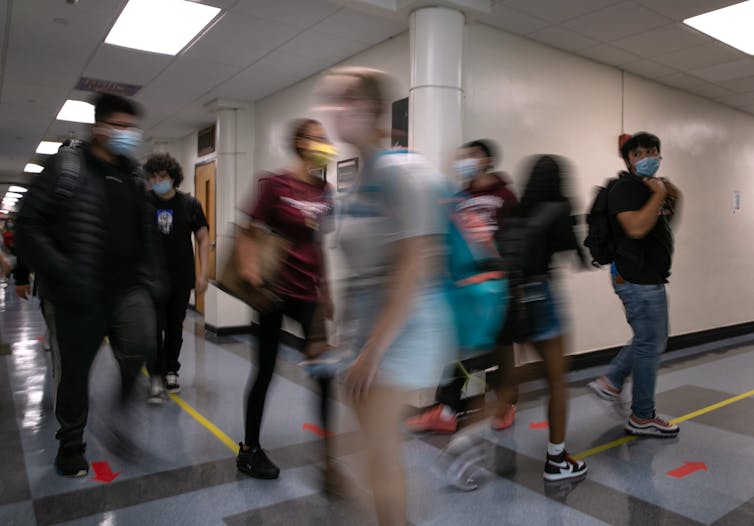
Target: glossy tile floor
{"x":174,"y":464}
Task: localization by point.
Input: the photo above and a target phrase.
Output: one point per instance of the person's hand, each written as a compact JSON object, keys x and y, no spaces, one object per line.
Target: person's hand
{"x":23,"y":291}
{"x":361,"y":374}
{"x":672,"y":190}
{"x":200,"y":287}
{"x":656,"y":185}
{"x":250,"y":274}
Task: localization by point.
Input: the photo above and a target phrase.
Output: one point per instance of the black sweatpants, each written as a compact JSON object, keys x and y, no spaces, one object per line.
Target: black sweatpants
{"x":170,"y":316}
{"x":128,"y":320}
{"x":268,"y":345}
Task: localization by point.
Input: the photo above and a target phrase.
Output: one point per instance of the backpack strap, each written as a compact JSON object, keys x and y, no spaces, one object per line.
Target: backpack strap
{"x":69,"y":161}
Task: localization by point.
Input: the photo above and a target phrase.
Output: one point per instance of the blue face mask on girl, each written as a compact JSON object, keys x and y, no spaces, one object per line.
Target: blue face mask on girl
{"x":647,"y":167}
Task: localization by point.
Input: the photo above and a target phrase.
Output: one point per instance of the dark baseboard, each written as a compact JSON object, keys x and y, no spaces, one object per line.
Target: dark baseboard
{"x":535,"y":371}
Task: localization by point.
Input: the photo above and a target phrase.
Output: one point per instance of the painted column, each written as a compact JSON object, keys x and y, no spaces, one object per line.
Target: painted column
{"x":436,"y":92}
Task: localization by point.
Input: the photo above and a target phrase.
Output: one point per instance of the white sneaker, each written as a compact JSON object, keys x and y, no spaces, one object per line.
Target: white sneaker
{"x":156,"y":391}
{"x":171,"y":383}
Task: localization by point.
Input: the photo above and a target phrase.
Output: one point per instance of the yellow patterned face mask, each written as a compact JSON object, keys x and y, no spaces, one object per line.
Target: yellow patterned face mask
{"x":320,"y":153}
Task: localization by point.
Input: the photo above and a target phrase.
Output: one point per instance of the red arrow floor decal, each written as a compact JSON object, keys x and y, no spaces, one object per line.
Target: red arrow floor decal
{"x":538,"y":425}
{"x":103,"y":473}
{"x":316,"y":430}
{"x":687,"y":469}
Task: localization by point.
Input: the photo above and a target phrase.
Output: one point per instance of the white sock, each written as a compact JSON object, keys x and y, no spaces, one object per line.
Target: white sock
{"x":447,"y":412}
{"x":555,"y":449}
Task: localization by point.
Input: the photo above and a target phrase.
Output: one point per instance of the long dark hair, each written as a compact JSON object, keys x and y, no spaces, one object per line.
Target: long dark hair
{"x":547,"y":182}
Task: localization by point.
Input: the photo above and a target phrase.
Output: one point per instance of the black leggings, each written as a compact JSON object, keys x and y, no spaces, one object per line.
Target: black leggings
{"x":268,"y":345}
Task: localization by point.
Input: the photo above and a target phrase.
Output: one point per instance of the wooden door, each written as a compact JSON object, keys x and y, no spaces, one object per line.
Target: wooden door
{"x":204,"y":180}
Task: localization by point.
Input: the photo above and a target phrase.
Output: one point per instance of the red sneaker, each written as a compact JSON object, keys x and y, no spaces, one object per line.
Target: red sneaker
{"x":432,"y":420}
{"x":506,"y":420}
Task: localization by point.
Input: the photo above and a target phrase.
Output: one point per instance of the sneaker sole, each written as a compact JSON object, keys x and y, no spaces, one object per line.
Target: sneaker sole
{"x":79,"y":474}
{"x":603,"y":395}
{"x":256,"y":475}
{"x":155,"y":401}
{"x":552,"y":477}
{"x":653,"y":433}
{"x":174,"y":390}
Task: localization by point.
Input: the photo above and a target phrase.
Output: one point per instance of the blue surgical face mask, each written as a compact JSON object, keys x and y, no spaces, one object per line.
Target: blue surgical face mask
{"x":124,"y":142}
{"x":162,"y":187}
{"x":647,"y":167}
{"x":466,"y":169}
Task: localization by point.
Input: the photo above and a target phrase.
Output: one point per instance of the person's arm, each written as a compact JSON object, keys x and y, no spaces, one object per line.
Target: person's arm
{"x":258,"y":211}
{"x":202,"y":240}
{"x":33,"y":241}
{"x":638,"y":223}
{"x":673,"y":199}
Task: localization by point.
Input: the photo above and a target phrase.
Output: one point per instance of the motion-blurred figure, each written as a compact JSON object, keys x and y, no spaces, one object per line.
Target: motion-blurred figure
{"x":85,"y":229}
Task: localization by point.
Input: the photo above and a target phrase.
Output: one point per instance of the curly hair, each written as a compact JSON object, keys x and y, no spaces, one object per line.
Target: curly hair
{"x":164,"y":162}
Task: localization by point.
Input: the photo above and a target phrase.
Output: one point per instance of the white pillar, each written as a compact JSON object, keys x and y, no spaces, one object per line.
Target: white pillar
{"x":436,"y":92}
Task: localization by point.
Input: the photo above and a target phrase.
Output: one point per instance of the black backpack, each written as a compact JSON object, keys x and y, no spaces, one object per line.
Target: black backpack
{"x":600,"y":240}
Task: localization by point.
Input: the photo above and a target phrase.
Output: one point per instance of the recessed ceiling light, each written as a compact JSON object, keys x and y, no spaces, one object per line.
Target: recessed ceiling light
{"x":48,"y":147}
{"x":19,"y":189}
{"x":33,"y":168}
{"x":11,"y":200}
{"x":160,"y":26}
{"x":731,"y":25}
{"x":13,"y":194}
{"x":77,"y":111}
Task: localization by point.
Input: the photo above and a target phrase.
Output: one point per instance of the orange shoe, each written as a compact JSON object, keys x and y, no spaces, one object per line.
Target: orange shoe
{"x":432,"y":420}
{"x":506,"y":420}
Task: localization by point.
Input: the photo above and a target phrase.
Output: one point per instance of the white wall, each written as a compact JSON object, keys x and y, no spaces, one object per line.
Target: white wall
{"x":534,"y":99}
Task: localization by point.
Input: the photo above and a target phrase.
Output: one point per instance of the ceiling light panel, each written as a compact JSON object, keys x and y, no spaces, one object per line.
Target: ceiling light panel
{"x":77,"y":111}
{"x":731,"y":25}
{"x":160,"y":26}
{"x":33,"y":168}
{"x":48,"y":147}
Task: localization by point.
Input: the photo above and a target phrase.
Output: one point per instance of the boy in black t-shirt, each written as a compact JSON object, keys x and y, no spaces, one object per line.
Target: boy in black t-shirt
{"x":641,"y":206}
{"x":177,"y":216}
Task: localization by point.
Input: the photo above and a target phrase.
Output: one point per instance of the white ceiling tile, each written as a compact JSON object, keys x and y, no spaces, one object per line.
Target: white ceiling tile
{"x":680,"y":80}
{"x":299,"y":13}
{"x":241,"y":40}
{"x":617,"y":21}
{"x":709,"y":90}
{"x":107,"y":7}
{"x":748,"y":109}
{"x":737,"y":99}
{"x":743,"y":85}
{"x":126,"y":65}
{"x":322,"y":47}
{"x":356,"y":25}
{"x":513,"y":21}
{"x":649,"y":69}
{"x":557,"y":11}
{"x":273,"y":73}
{"x":562,"y":38}
{"x":608,"y":54}
{"x":726,"y":71}
{"x":662,"y":40}
{"x":700,"y":56}
{"x":681,"y":9}
{"x":185,"y":73}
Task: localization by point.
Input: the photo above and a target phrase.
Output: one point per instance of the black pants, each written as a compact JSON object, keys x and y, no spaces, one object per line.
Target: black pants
{"x":128,"y":320}
{"x":268,"y":345}
{"x":170,"y":316}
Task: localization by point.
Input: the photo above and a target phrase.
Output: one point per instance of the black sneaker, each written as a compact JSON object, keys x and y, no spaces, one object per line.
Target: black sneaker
{"x":71,"y":462}
{"x":563,"y":467}
{"x":171,"y":382}
{"x":255,"y":463}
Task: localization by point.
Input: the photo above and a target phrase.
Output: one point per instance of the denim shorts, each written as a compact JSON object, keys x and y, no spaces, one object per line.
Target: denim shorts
{"x":544,"y":313}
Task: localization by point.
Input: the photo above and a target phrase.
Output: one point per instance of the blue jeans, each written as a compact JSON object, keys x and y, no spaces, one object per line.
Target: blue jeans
{"x":647,"y":313}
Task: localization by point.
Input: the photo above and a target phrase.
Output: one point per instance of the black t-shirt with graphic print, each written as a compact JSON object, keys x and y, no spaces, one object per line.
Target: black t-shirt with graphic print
{"x":176,"y":219}
{"x":647,"y":260}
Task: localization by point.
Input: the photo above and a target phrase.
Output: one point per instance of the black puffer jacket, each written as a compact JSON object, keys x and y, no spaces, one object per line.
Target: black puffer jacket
{"x":62,"y":233}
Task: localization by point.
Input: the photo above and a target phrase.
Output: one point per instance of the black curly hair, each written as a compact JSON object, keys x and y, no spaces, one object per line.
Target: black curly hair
{"x":164,"y":162}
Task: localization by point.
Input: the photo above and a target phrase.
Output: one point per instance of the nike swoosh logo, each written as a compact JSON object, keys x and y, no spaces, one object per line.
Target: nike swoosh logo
{"x":561,"y":465}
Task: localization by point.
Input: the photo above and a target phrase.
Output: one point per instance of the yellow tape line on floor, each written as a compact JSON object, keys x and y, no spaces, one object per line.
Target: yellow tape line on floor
{"x":689,"y":416}
{"x":206,"y":423}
